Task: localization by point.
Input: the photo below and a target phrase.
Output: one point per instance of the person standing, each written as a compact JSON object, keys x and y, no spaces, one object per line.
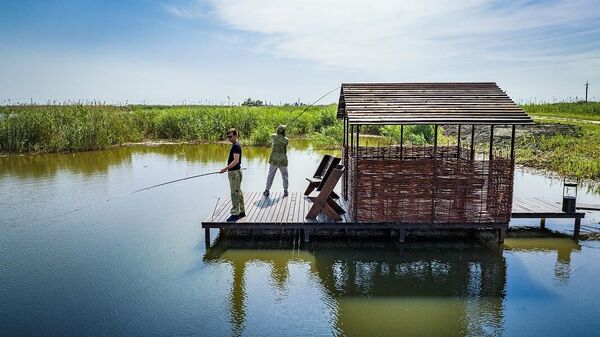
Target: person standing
{"x":278,"y":160}
{"x":234,"y":173}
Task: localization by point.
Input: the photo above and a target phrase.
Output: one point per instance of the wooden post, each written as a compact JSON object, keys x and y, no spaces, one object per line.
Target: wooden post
{"x":473,"y":142}
{"x":458,"y":155}
{"x":577,"y":227}
{"x":356,"y":174}
{"x":351,"y":140}
{"x":491,"y":142}
{"x":543,"y":223}
{"x":402,"y":234}
{"x":512,"y":145}
{"x":501,"y":234}
{"x":401,"y":140}
{"x":207,"y":237}
{"x":435,"y":139}
{"x":345,"y":159}
{"x":306,"y":235}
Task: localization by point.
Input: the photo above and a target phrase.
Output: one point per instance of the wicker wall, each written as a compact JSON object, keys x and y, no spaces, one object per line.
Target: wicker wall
{"x":418,"y":189}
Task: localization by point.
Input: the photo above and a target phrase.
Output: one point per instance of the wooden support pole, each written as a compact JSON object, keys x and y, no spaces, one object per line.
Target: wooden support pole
{"x":356,"y":173}
{"x":207,"y":236}
{"x":401,"y":140}
{"x":512,"y":144}
{"x":458,"y":146}
{"x":402,"y":234}
{"x":501,"y":234}
{"x":577,"y":227}
{"x":473,"y":142}
{"x":543,"y":223}
{"x":435,"y":140}
{"x":306,"y":235}
{"x":491,"y":142}
{"x":345,"y":159}
{"x":351,"y":140}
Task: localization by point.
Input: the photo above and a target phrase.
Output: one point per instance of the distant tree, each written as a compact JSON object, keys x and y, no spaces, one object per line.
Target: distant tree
{"x":250,"y":102}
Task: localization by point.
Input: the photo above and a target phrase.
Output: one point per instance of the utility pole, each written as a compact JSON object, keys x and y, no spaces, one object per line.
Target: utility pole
{"x":587,"y":84}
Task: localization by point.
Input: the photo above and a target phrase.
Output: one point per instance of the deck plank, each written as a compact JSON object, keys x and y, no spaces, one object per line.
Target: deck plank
{"x":290,"y":208}
{"x":251,"y":207}
{"x":224,"y":210}
{"x":259,"y":209}
{"x":285,"y":205}
{"x":270,"y":202}
{"x":248,"y":206}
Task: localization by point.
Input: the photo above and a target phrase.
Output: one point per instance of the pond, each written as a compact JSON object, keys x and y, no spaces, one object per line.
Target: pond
{"x":138,"y":265}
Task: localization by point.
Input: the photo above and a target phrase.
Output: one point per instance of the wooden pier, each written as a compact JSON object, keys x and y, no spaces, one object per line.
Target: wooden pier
{"x":537,"y":208}
{"x":277,"y":212}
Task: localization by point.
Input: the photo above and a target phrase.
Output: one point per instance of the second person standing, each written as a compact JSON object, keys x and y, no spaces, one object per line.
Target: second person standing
{"x":278,"y":160}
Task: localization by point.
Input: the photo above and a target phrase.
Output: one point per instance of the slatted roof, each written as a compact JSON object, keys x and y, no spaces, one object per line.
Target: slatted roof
{"x":428,"y":103}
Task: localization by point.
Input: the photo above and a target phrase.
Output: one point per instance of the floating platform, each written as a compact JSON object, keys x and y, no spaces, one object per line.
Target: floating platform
{"x":277,"y":212}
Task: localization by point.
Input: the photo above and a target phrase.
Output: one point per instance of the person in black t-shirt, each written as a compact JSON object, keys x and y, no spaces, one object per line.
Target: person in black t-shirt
{"x":234,"y":173}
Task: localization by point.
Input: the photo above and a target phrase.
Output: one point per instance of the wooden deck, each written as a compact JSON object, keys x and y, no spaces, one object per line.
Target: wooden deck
{"x":537,"y":208}
{"x":276,"y":212}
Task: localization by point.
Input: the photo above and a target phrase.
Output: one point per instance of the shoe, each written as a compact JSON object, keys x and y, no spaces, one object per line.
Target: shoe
{"x":266,"y":193}
{"x":241,"y":215}
{"x":285,"y":194}
{"x":233,"y":218}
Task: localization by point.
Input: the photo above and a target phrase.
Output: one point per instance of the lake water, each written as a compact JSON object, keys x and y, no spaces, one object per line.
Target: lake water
{"x":138,"y":266}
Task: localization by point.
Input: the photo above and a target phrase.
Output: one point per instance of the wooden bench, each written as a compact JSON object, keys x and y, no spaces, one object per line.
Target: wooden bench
{"x":328,"y":163}
{"x":323,"y":200}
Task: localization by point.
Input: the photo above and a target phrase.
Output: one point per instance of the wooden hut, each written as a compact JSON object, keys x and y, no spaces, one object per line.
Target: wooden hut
{"x":429,"y":185}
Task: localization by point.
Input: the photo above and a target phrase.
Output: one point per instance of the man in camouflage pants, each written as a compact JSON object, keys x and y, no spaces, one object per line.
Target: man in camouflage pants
{"x":234,"y":174}
{"x":278,"y":160}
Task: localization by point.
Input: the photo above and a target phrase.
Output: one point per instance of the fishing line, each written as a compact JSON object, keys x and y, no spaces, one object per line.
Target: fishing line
{"x":140,"y":190}
{"x":313,"y":103}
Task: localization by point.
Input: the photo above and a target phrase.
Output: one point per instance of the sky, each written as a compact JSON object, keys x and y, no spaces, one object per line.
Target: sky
{"x":282,"y":51}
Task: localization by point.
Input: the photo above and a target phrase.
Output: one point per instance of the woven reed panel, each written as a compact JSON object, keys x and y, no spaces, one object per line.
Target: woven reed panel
{"x":418,"y":189}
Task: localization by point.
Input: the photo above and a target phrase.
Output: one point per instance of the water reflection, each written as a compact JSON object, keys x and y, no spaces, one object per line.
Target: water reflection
{"x":422,"y":289}
{"x":563,"y":247}
{"x":94,"y":162}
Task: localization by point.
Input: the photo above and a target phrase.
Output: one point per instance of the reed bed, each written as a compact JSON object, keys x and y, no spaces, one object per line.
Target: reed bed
{"x":56,"y":128}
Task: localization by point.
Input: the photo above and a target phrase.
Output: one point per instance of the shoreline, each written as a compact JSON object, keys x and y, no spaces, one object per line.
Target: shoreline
{"x":595,"y":184}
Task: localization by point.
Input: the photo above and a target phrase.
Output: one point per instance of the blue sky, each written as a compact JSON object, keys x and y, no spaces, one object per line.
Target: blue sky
{"x":284,"y":50}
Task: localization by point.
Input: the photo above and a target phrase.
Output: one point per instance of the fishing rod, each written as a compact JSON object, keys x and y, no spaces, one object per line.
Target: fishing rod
{"x":313,"y":103}
{"x":144,"y":189}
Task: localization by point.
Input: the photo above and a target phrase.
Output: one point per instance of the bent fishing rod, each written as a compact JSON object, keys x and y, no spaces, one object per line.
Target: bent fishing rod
{"x":313,"y":103}
{"x":145,"y":189}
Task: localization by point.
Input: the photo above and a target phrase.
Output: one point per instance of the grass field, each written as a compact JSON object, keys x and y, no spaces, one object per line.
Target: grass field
{"x":32,"y":129}
{"x":84,"y":127}
{"x":579,"y":110}
{"x":568,"y":155}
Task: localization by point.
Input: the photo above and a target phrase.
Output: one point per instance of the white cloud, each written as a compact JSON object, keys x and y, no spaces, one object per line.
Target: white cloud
{"x":187,"y":11}
{"x":415,"y":36}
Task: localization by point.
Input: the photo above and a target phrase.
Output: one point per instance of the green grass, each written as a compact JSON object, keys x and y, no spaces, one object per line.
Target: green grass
{"x":573,"y":156}
{"x":579,"y":110}
{"x":64,"y":128}
{"x":85,"y":127}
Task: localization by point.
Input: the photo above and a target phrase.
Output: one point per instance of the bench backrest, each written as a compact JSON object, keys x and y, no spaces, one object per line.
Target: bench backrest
{"x":329,"y":183}
{"x":320,"y":172}
{"x":334,"y":163}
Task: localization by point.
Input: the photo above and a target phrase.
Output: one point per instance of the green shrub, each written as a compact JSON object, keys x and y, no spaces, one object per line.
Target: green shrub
{"x":261,"y":136}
